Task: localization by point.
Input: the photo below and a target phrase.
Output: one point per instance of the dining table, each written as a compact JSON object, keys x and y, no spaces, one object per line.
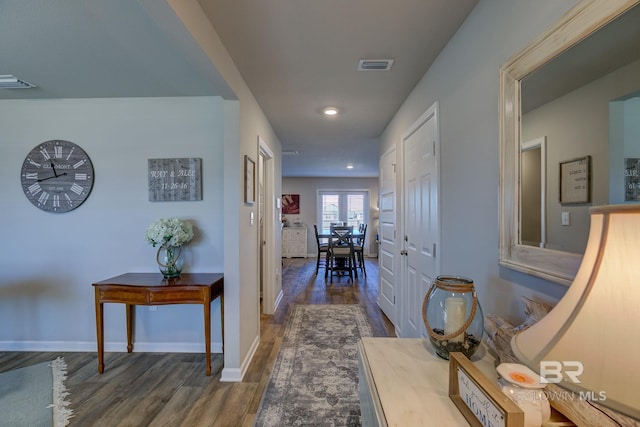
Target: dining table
{"x":325,"y":233}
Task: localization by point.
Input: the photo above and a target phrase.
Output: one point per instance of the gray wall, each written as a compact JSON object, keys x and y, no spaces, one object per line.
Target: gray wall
{"x":464,"y":80}
{"x":577,"y":125}
{"x":308,"y":189}
{"x":49,"y":261}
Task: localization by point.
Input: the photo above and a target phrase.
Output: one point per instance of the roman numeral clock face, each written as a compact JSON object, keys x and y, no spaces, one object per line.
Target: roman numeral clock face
{"x":57,"y":176}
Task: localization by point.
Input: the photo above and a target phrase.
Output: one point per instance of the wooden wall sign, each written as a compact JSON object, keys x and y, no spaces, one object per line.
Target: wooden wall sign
{"x":479,"y":400}
{"x":175,"y":179}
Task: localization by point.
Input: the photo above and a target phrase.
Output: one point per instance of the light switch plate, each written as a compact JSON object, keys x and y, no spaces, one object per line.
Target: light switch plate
{"x":566,"y":220}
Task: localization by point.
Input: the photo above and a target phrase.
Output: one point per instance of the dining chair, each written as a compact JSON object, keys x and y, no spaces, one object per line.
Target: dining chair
{"x":323,"y":248}
{"x":340,"y":256}
{"x":358,"y":248}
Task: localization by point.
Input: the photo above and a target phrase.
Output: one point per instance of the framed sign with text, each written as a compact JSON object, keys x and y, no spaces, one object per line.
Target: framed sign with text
{"x":175,"y":179}
{"x":480,"y":400}
{"x":631,"y":179}
{"x":575,"y":181}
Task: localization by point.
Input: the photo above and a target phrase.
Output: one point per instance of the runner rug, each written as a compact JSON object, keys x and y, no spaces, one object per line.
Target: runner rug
{"x":315,"y":376}
{"x":35,"y":396}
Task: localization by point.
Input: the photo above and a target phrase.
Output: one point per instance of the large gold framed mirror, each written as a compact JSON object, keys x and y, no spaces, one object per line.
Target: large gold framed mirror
{"x":576,"y":31}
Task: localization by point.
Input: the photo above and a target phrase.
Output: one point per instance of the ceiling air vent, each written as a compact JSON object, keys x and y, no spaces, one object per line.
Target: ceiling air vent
{"x":290,"y":153}
{"x":7,"y":81}
{"x":375,"y":64}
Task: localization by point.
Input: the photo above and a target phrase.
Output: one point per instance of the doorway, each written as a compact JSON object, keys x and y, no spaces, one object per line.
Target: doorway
{"x":533,"y":193}
{"x":266,"y":230}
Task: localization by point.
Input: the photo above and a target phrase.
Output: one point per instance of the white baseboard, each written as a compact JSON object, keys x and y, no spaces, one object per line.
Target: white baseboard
{"x":90,"y":346}
{"x":235,"y":375}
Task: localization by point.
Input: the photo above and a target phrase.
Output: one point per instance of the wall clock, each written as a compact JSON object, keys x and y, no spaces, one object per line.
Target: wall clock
{"x":57,"y":176}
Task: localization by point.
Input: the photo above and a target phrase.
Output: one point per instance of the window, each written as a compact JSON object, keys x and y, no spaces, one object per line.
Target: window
{"x":350,"y":207}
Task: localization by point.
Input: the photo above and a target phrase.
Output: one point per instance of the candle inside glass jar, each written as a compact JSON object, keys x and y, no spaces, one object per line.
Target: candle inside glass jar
{"x":454,"y":317}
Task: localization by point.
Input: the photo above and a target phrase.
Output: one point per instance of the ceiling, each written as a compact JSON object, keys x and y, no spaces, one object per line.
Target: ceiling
{"x":297,"y":57}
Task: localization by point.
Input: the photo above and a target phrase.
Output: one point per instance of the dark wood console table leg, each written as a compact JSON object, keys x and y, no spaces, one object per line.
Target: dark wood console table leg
{"x":207,"y":335}
{"x":99,"y":332}
{"x":130,"y":321}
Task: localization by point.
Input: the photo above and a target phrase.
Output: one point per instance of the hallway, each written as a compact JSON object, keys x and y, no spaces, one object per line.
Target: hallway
{"x":301,"y":286}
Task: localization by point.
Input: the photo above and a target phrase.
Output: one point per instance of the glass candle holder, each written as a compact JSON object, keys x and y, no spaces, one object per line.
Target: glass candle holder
{"x":452,"y":316}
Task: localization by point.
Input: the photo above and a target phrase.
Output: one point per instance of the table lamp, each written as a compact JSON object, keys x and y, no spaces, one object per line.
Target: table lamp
{"x":590,"y":341}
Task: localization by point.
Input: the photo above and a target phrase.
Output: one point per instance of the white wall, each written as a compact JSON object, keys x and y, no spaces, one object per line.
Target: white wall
{"x":464,"y":80}
{"x":245,"y":121}
{"x":49,"y":261}
{"x":577,"y":125}
{"x":308,"y":189}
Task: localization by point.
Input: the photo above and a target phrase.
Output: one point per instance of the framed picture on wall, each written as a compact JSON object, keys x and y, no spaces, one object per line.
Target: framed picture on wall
{"x":575,"y":181}
{"x":249,"y":180}
{"x":291,"y":204}
{"x":631,"y":179}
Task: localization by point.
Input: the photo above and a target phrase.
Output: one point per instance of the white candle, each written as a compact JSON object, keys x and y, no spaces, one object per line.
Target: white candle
{"x":454,"y":317}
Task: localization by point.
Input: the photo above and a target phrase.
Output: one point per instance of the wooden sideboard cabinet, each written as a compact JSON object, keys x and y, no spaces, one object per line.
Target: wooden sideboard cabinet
{"x":294,"y":242}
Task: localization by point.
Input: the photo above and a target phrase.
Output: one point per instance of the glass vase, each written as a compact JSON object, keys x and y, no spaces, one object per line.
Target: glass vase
{"x":169,"y":261}
{"x":452,"y":316}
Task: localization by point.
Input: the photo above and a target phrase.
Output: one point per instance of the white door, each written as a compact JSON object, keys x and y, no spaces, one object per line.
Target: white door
{"x":387,"y":249}
{"x":421,"y":222}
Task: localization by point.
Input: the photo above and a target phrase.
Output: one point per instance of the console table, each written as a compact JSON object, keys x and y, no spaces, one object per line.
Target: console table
{"x":403,"y":383}
{"x":134,"y":289}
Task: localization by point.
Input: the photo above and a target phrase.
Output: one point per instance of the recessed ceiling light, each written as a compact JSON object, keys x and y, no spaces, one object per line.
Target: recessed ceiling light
{"x":349,"y":166}
{"x":330,"y":111}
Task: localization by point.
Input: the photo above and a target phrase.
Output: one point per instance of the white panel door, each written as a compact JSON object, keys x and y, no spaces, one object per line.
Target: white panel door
{"x":387,"y":250}
{"x":421,"y":223}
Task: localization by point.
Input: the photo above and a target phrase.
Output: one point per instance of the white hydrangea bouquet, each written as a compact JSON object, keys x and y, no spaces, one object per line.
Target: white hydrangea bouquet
{"x":169,"y":232}
{"x":170,"y":235}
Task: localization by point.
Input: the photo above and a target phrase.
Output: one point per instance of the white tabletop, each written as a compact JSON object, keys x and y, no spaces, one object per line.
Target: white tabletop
{"x":412,"y":383}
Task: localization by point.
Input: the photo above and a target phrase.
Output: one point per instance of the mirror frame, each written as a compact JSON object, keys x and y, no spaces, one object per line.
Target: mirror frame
{"x":578,"y":23}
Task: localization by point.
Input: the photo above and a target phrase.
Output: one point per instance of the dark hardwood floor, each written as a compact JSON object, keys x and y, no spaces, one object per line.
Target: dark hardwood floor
{"x":162,"y":389}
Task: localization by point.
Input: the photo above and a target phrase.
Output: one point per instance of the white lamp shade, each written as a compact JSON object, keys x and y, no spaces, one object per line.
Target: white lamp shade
{"x":596,"y":322}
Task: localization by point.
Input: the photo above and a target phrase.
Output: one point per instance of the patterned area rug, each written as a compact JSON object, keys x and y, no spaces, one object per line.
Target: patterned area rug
{"x":315,"y":377}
